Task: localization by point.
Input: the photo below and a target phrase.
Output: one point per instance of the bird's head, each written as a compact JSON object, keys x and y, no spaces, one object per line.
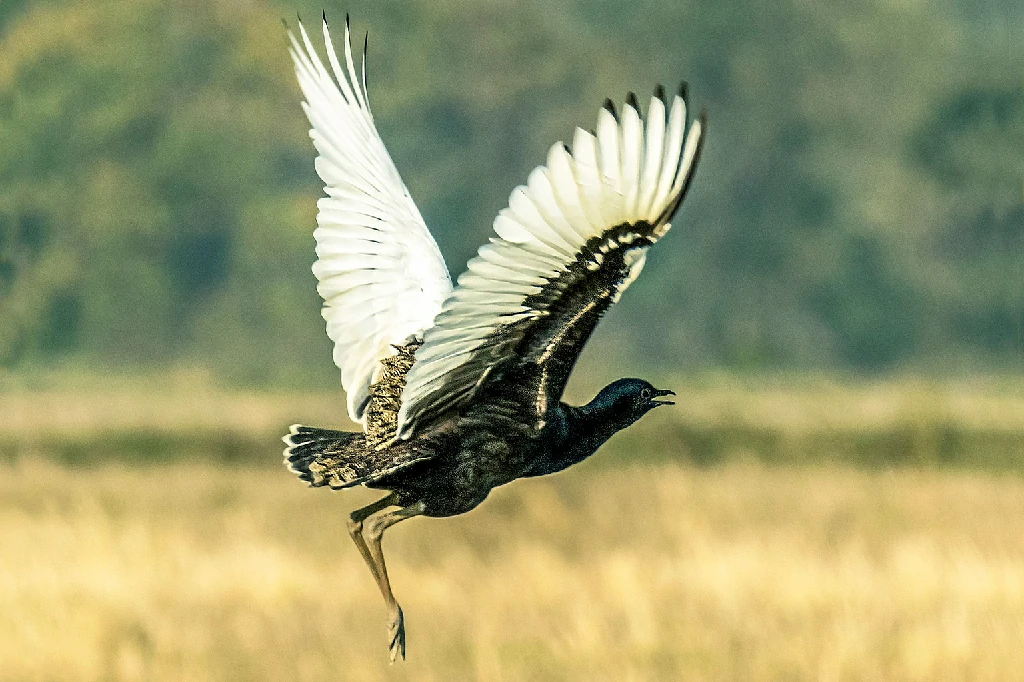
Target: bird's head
{"x":624,"y":401}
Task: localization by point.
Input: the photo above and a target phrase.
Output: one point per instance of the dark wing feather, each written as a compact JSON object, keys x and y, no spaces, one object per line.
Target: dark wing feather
{"x":569,"y":243}
{"x":576,"y":301}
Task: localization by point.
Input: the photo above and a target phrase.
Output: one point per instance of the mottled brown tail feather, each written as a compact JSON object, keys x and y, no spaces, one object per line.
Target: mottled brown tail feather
{"x":325,"y":457}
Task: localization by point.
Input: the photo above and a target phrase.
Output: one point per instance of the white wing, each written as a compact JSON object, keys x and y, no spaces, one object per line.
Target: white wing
{"x":567,"y":246}
{"x":380,"y":272}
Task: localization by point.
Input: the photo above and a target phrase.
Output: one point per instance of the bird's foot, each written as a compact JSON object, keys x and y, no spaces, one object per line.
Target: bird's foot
{"x":396,"y":633}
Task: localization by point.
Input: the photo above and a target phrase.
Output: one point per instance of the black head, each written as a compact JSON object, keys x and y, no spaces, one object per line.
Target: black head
{"x":624,"y":401}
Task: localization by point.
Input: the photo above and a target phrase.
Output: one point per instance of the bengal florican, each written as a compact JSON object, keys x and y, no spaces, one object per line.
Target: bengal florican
{"x":459,"y":389}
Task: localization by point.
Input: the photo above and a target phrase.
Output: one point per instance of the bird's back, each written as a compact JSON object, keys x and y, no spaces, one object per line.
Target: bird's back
{"x":474,"y":448}
{"x":386,"y":396}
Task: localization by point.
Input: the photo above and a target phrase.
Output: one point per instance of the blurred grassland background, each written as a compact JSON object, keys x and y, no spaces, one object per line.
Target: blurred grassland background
{"x":840,"y":307}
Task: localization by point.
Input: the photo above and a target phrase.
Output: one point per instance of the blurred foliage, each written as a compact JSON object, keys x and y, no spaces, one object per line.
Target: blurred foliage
{"x":859,"y":205}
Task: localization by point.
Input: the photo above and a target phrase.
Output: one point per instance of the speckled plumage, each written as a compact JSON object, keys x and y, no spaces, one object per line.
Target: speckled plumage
{"x":386,"y":395}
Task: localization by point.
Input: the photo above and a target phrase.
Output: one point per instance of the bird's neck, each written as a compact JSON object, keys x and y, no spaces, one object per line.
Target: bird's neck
{"x":573,"y":434}
{"x":590,"y":425}
{"x":581,"y":431}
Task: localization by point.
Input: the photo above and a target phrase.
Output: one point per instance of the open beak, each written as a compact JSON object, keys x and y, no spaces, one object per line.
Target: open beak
{"x":658,"y":394}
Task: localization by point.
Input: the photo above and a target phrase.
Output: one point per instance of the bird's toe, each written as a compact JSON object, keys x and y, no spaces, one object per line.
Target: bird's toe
{"x":396,"y":633}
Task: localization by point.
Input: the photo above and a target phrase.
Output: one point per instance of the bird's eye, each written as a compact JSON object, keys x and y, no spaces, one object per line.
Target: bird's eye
{"x":646,"y":394}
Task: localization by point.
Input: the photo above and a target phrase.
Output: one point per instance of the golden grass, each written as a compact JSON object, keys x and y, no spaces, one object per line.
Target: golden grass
{"x":196,"y":572}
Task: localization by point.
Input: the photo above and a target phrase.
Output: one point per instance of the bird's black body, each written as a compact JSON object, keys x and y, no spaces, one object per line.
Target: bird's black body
{"x":452,"y":467}
{"x":491,"y":445}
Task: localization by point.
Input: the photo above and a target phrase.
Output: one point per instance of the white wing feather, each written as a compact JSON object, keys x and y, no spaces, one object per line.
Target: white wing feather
{"x":380,"y":273}
{"x":626,"y":173}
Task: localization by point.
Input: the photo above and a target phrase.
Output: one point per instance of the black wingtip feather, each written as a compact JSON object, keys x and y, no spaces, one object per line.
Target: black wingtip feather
{"x":323,"y":15}
{"x":684,"y":91}
{"x":609,"y":105}
{"x":659,"y":92}
{"x":631,"y":101}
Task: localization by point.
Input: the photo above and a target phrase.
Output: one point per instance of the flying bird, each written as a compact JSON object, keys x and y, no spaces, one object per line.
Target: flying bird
{"x":458,"y":389}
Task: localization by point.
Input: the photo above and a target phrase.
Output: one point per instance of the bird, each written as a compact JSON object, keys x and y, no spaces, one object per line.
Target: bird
{"x":458,"y":389}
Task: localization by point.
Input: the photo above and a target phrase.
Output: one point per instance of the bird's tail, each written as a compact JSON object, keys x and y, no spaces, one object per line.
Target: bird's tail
{"x":325,"y":457}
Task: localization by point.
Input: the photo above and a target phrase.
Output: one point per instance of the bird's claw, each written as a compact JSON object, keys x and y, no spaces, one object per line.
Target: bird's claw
{"x":397,"y":633}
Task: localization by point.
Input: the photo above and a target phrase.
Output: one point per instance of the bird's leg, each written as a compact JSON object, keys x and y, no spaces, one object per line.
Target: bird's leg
{"x":373,"y":533}
{"x":355,"y":527}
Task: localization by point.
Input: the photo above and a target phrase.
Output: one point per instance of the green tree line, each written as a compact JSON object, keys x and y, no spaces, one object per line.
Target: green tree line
{"x":858,"y":207}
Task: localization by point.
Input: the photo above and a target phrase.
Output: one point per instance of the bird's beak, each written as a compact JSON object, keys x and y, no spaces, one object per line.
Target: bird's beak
{"x":658,"y":394}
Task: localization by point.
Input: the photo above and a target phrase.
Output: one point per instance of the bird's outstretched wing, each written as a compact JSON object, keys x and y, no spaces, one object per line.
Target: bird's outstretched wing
{"x":379,"y":271}
{"x":567,"y":246}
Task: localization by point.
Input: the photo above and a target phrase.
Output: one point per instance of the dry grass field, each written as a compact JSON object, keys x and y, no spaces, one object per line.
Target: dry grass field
{"x":187,"y":572}
{"x":972,"y":423}
{"x":772,"y":531}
